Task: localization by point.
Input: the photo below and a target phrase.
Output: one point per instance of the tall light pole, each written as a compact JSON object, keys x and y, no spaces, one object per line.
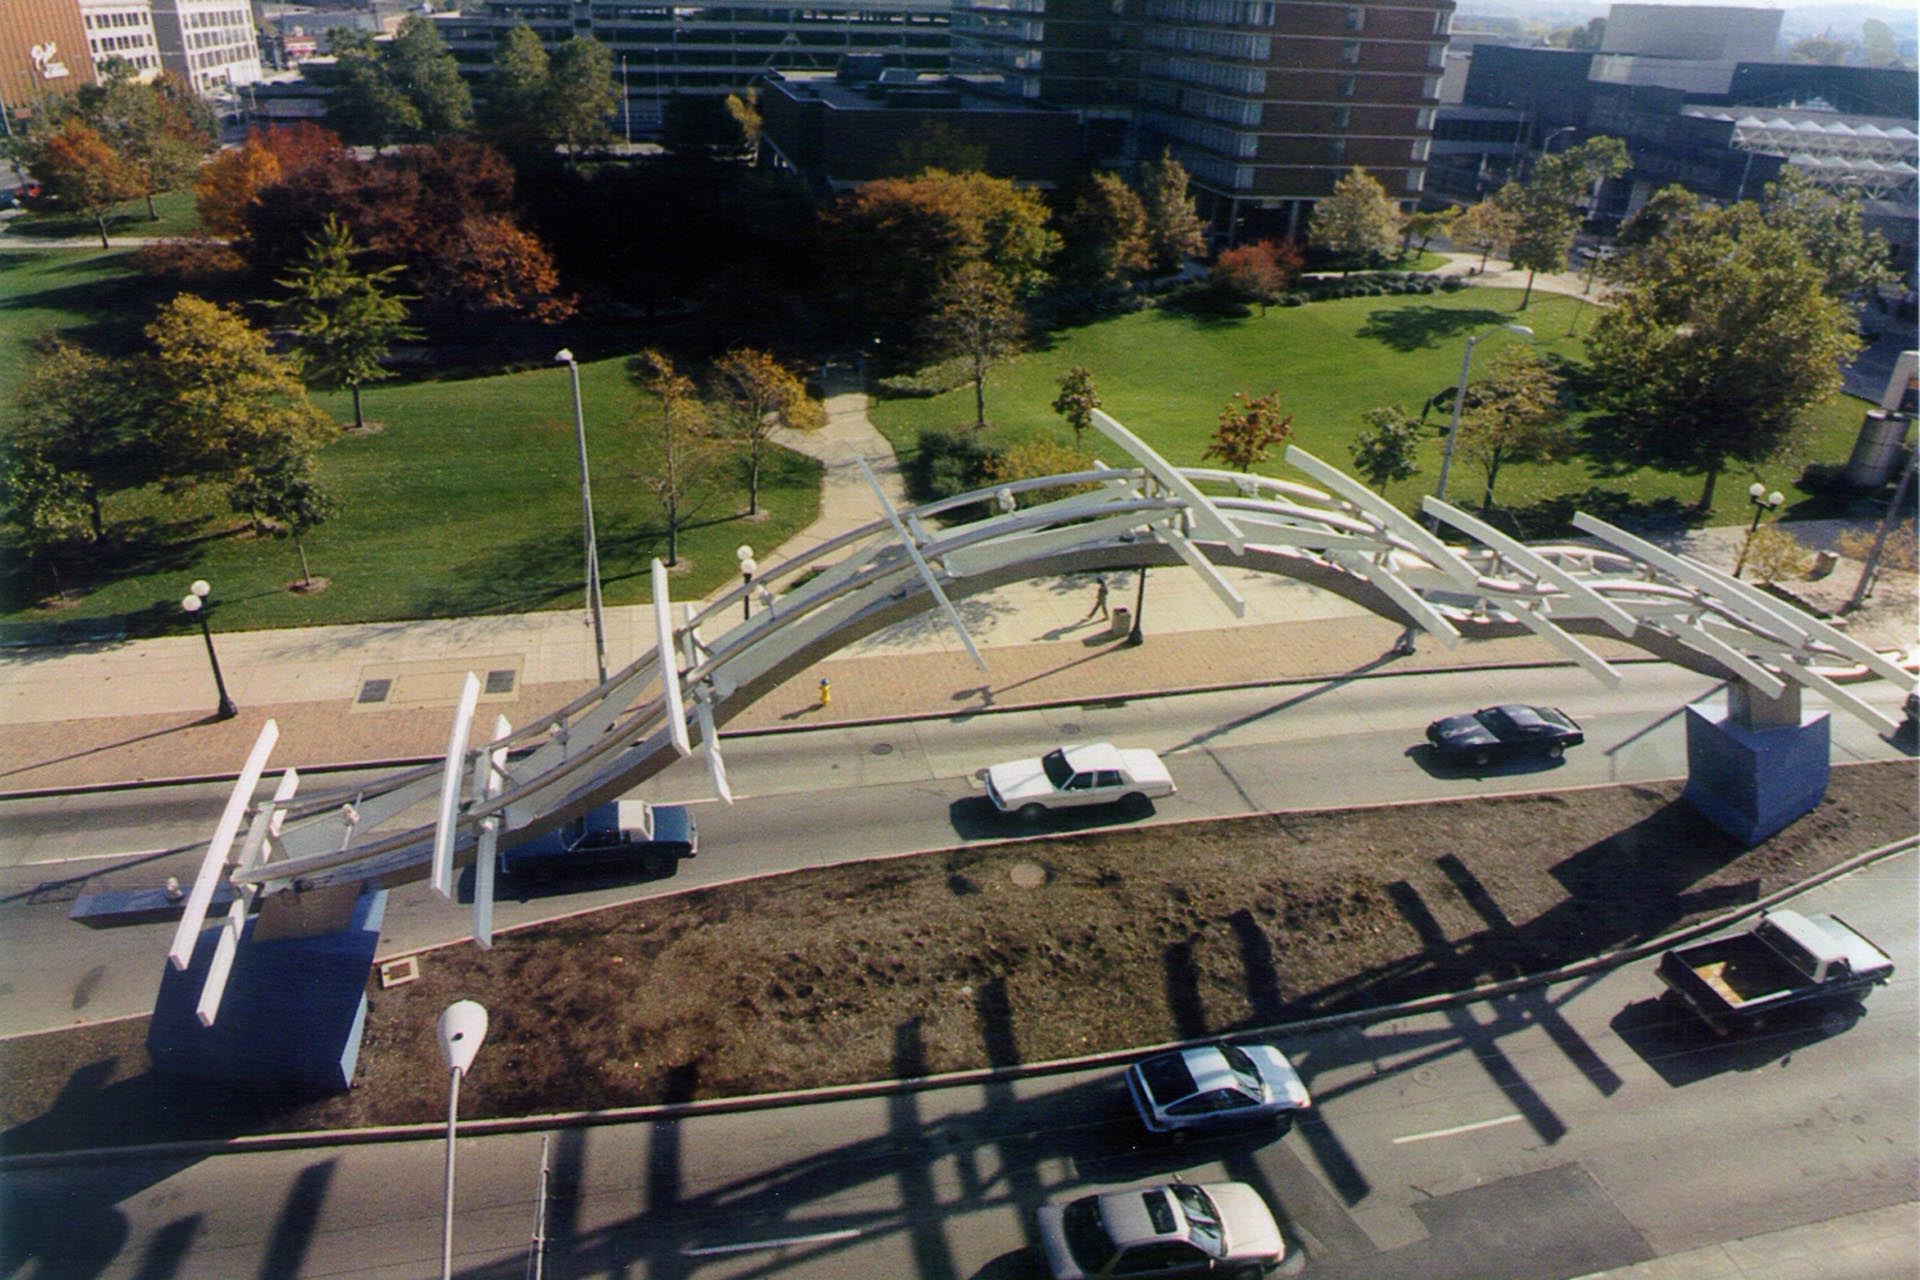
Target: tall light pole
{"x":462,"y":1026}
{"x":196,"y":603}
{"x":626,"y":103}
{"x":1459,"y":398}
{"x":1894,"y":510}
{"x":1763,"y":502}
{"x":565,"y":357}
{"x":748,"y":567}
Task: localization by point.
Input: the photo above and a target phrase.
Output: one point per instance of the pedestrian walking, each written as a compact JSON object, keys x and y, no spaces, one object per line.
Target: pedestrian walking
{"x":1099,"y":609}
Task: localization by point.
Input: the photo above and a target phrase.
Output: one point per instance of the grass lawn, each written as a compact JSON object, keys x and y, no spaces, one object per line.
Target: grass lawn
{"x":95,"y":298}
{"x":466,"y":501}
{"x":1166,"y":375}
{"x":178,"y":217}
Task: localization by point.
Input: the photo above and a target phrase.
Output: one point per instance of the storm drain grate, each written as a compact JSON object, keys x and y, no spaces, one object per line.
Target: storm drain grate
{"x":500,"y":681}
{"x":374,"y":691}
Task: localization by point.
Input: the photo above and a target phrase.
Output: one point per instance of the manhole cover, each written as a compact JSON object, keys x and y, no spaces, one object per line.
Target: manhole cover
{"x":881,"y":748}
{"x":1069,"y":728}
{"x":500,"y":681}
{"x":1028,"y":875}
{"x":375,"y":691}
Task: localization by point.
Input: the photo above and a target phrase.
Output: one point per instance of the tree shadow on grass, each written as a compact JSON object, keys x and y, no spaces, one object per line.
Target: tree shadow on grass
{"x":1423,"y":325}
{"x":1552,"y":517}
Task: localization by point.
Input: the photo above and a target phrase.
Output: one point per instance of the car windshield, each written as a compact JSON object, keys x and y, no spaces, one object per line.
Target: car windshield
{"x":1242,"y":1067}
{"x":1055,"y":763}
{"x":1203,"y":1221}
{"x":1167,"y":1078}
{"x":1087,"y":1240}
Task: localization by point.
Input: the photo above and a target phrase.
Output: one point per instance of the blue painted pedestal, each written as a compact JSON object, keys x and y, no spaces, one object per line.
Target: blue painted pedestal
{"x":292,"y":1015}
{"x":1752,"y":781}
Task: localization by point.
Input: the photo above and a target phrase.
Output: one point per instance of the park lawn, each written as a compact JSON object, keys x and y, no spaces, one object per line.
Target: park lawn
{"x":1166,"y":375}
{"x":94,"y":298}
{"x":178,"y":217}
{"x":465,"y":501}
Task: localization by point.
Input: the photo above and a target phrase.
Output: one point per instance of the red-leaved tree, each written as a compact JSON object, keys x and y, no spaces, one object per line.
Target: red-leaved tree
{"x":1258,"y":272}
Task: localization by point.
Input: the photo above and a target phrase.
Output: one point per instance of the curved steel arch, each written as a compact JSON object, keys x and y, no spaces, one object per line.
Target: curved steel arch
{"x":1335,"y":534}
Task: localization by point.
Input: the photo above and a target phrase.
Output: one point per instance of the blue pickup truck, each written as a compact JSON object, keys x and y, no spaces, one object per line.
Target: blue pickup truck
{"x":626,"y":833}
{"x":1787,"y":960}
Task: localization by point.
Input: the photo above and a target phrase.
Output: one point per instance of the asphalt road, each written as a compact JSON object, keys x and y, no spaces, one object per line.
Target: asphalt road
{"x":1549,"y":1135}
{"x":819,"y":797}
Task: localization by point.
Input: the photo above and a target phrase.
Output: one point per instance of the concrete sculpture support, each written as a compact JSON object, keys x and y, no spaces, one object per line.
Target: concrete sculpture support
{"x":1756,"y":763}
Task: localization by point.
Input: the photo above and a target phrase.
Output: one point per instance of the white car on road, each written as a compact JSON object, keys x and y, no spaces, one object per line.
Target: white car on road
{"x":1220,"y":1229}
{"x":1068,"y":777}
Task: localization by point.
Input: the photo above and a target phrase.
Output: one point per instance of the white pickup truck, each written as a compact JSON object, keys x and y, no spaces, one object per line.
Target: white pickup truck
{"x":1070,"y":777}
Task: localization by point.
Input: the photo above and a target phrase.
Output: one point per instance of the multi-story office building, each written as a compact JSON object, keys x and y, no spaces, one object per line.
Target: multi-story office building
{"x":211,"y":44}
{"x":1266,"y":102}
{"x":664,"y":50}
{"x":43,"y":51}
{"x":122,"y":29}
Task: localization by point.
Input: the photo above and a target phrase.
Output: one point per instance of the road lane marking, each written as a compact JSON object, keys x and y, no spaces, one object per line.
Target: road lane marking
{"x":1459,"y":1128}
{"x":822,"y":1237}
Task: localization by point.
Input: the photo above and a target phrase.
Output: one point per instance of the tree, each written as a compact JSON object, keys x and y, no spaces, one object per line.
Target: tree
{"x":1512,"y":415}
{"x":1358,"y":219}
{"x":1828,"y":226}
{"x":1248,"y":428}
{"x":299,"y":146}
{"x":1720,"y":336}
{"x":348,"y":318}
{"x":744,"y":110}
{"x":78,"y":416}
{"x":1878,"y":45}
{"x":978,"y":319}
{"x":937,"y":145}
{"x":1822,"y":51}
{"x":1424,"y":226}
{"x":418,"y":64}
{"x":1257,"y":272}
{"x":695,"y":124}
{"x":677,"y":461}
{"x":757,"y":396}
{"x":46,"y":507}
{"x":1585,"y":38}
{"x":81,"y":172}
{"x":1105,"y":234}
{"x":284,"y":491}
{"x":1077,"y":400}
{"x":1174,"y":230}
{"x":490,"y":265}
{"x":1486,"y":226}
{"x":159,"y":130}
{"x":1546,"y":206}
{"x":1384,"y":452}
{"x":1035,"y":457}
{"x":510,"y":113}
{"x":366,"y":108}
{"x":218,"y":401}
{"x":232,"y":181}
{"x":581,"y":96}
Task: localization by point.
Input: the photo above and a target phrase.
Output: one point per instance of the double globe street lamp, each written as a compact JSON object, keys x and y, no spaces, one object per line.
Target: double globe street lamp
{"x":1763,"y":502}
{"x":197,"y":604}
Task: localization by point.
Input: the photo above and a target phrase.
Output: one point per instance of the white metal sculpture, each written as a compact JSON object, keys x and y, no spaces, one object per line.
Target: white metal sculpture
{"x":1335,"y":533}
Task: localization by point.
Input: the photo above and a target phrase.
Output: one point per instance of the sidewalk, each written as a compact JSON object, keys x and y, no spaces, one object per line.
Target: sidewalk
{"x":380,"y":692}
{"x":1879,"y":1244}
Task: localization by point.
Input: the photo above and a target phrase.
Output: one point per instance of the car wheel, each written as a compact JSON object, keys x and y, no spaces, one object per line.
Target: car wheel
{"x":1032,"y":812}
{"x":1136,"y":804}
{"x":1555,"y":751}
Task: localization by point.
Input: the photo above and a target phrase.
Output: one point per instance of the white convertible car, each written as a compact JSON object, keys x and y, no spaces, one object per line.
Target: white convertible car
{"x":1068,"y":777}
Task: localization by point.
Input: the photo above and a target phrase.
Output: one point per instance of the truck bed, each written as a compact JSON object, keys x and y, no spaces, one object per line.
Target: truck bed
{"x":1743,"y":975}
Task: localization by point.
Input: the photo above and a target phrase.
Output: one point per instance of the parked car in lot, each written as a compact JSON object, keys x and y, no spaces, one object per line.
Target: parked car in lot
{"x":1503,"y":733}
{"x":1219,"y":1229}
{"x":1216,"y":1086}
{"x":1070,"y":777}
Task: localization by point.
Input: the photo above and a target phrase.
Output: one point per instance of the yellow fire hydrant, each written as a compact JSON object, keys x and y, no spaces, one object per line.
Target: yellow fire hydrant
{"x":826,"y":692}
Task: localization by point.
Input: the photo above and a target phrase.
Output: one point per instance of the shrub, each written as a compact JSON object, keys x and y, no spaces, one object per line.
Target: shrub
{"x":202,"y":265}
{"x":1452,"y":284}
{"x":948,"y":462}
{"x":928,"y":380}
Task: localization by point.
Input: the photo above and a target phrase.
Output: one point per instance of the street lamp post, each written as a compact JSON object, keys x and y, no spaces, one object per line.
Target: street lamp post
{"x":462,"y":1026}
{"x":1137,"y":636}
{"x":1459,"y":399}
{"x":744,"y":554}
{"x":1763,"y":502}
{"x":196,"y":604}
{"x":565,"y":356}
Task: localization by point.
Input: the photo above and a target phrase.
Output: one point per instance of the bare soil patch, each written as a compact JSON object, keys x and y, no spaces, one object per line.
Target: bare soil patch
{"x":956,"y":960}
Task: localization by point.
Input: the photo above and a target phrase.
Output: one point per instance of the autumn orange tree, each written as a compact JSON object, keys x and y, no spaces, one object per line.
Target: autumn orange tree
{"x":1257,"y":272}
{"x":676,"y":460}
{"x":230,"y":182}
{"x":1248,"y":428}
{"x":82,"y":173}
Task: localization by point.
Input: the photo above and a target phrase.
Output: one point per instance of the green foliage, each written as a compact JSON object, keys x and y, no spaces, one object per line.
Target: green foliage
{"x":1105,"y":234}
{"x":1032,"y":458}
{"x":78,"y":431}
{"x":510,"y":113}
{"x":1358,"y":219}
{"x":347,"y":317}
{"x":1487,"y":226}
{"x":1828,"y":226}
{"x":418,"y":64}
{"x":581,"y":95}
{"x":1512,"y":415}
{"x":945,"y":463}
{"x":1385,"y":452}
{"x":1821,"y":51}
{"x":1720,"y":338}
{"x":937,"y":145}
{"x":365,"y":107}
{"x":284,"y":492}
{"x":677,"y":460}
{"x":697,"y":124}
{"x":1079,"y":397}
{"x":1174,"y":230}
{"x":977,"y":318}
{"x":1545,"y":207}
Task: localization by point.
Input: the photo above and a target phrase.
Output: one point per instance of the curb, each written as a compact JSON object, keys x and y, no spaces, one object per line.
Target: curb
{"x":955,"y":1079}
{"x":1046,"y":704}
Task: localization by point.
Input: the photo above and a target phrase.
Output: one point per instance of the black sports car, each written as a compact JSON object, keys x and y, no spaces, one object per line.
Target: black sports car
{"x":1500,"y":733}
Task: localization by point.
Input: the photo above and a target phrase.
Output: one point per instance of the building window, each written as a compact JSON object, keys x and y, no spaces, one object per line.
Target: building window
{"x":1350,"y":52}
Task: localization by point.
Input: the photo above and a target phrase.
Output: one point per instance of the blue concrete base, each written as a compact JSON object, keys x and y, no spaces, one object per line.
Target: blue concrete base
{"x":292,"y":1015}
{"x":1753,"y":782}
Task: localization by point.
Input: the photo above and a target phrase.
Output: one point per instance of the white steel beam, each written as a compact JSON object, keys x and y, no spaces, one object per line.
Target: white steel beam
{"x":1415,"y":534}
{"x":1209,"y":521}
{"x":1521,"y":556}
{"x":445,"y":827}
{"x":1204,"y":567}
{"x":669,"y":669}
{"x":1755,"y":608}
{"x":710,"y":743}
{"x":215,"y":860}
{"x":486,"y":847}
{"x":920,"y":563}
{"x":227,"y":945}
{"x":1550,"y":631}
{"x":1382,"y":576}
{"x":1842,"y":698}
